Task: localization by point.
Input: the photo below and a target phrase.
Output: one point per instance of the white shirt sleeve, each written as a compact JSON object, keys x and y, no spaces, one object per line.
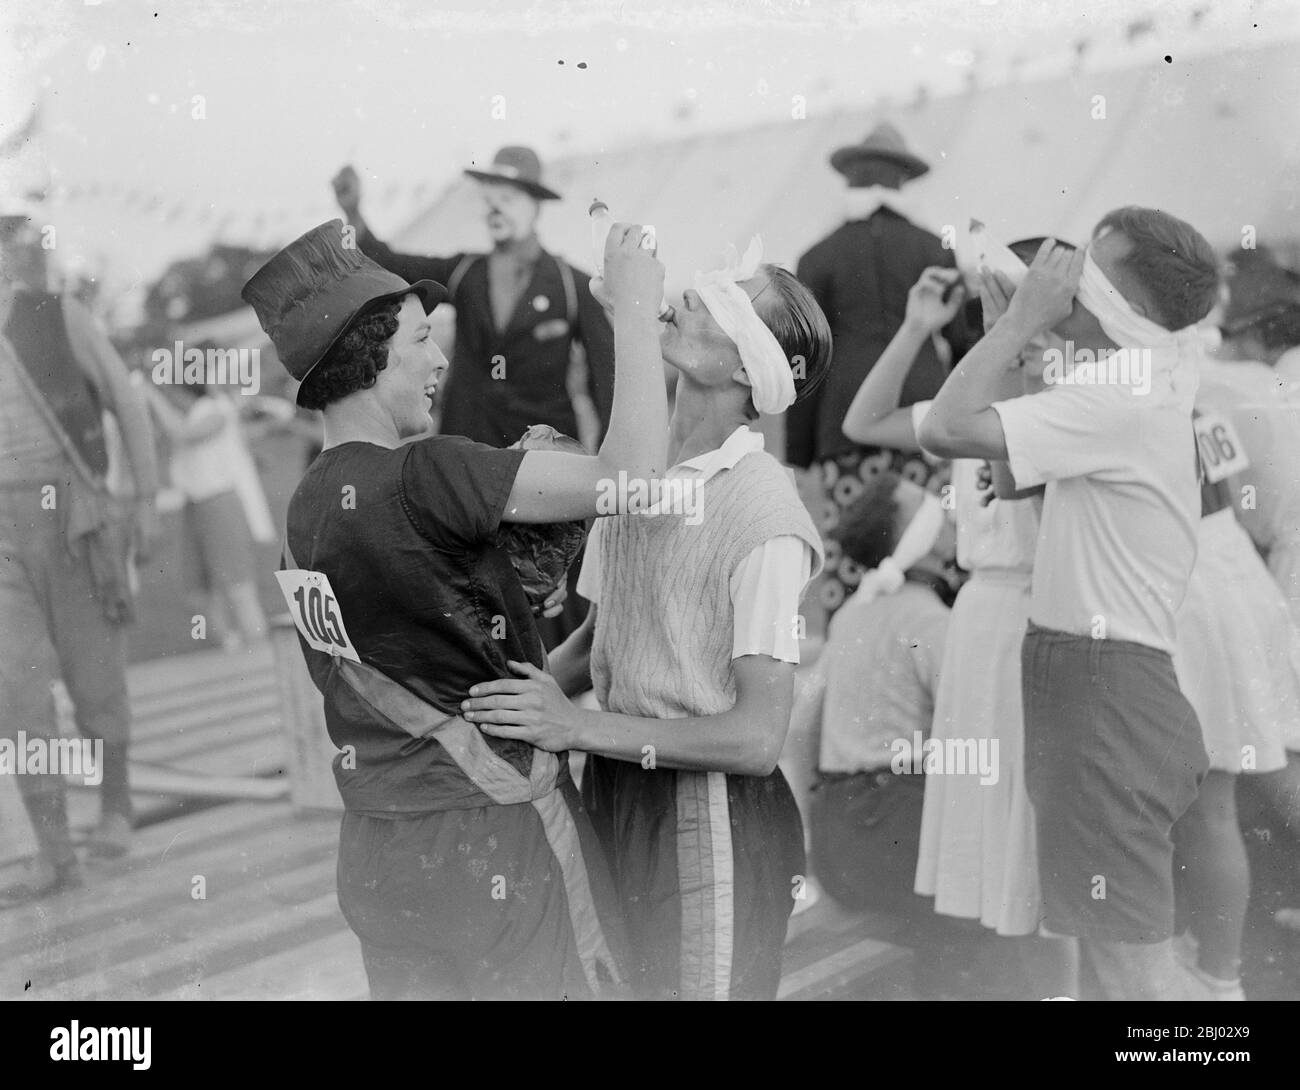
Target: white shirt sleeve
{"x":1068,"y":431}
{"x":589,"y":576}
{"x":765,"y":591}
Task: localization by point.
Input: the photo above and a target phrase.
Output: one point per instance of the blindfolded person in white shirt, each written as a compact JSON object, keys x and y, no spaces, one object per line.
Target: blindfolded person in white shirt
{"x":1113,"y":750}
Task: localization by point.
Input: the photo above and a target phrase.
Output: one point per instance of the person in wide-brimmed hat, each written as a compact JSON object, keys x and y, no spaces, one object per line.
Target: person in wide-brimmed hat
{"x":519,"y":167}
{"x":466,"y":864}
{"x":879,"y":158}
{"x":67,"y":536}
{"x":517,"y":303}
{"x":520,"y":312}
{"x":1262,"y":315}
{"x":860,"y":275}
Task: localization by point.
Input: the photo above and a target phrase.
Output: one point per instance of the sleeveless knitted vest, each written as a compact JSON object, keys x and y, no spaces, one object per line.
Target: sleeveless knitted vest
{"x":39,"y":334}
{"x":665,"y":623}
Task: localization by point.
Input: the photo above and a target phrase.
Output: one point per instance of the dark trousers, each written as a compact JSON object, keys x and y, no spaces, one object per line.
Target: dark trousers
{"x":866,"y":834}
{"x":1113,"y":757}
{"x":480,"y":904}
{"x":51,"y":623}
{"x":706,"y":867}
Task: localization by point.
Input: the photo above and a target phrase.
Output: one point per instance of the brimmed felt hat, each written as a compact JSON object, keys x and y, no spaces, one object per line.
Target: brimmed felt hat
{"x":308,"y":294}
{"x":1258,"y":288}
{"x":884,"y":142}
{"x":15,"y":224}
{"x":517,"y":166}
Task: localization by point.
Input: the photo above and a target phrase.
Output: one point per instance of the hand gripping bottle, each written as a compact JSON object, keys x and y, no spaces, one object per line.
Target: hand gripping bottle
{"x":601,"y":222}
{"x":982,"y":251}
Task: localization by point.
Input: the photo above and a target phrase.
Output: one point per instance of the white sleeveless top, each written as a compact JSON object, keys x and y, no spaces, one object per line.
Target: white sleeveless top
{"x":1001,"y":536}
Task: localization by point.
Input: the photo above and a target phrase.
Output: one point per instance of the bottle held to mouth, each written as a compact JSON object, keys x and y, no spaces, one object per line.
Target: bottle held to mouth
{"x":601,"y":223}
{"x":980,"y":250}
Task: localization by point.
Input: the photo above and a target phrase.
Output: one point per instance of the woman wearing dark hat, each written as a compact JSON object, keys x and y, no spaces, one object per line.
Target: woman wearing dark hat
{"x":860,"y":275}
{"x":467,"y":867}
{"x":519,"y":313}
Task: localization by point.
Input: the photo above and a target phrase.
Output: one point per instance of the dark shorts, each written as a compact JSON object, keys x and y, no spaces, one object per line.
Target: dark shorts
{"x":217,"y":544}
{"x":707,"y":868}
{"x":1113,"y":757}
{"x":866,"y":834}
{"x":493,"y":902}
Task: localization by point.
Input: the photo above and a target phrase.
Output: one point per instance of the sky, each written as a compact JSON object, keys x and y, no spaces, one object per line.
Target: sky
{"x":166,"y":123}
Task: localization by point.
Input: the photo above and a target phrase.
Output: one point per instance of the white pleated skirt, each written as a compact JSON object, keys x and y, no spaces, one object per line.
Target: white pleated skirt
{"x":1284,"y":563}
{"x":1238,"y":652}
{"x":977,"y":855}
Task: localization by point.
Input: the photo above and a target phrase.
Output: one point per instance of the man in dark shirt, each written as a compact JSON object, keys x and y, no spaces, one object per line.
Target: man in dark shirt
{"x":467,"y":867}
{"x":860,"y":275}
{"x":519,"y":312}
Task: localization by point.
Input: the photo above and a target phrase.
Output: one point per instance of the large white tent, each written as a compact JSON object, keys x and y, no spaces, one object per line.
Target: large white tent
{"x":1213,"y":139}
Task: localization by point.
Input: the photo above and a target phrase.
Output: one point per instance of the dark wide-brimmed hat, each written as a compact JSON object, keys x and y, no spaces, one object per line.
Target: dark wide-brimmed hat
{"x":517,"y":166}
{"x":1258,"y":288}
{"x":883,"y":143}
{"x":308,"y":294}
{"x":16,"y":225}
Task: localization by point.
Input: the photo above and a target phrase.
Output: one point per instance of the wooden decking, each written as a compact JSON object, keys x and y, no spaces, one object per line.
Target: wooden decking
{"x":211,"y":714}
{"x":268,"y":926}
{"x":203,"y":725}
{"x":237,"y":899}
{"x":202,"y":903}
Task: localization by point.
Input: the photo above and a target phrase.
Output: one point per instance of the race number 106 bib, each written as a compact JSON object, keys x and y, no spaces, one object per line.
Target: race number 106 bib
{"x":315,"y":611}
{"x":1220,"y":447}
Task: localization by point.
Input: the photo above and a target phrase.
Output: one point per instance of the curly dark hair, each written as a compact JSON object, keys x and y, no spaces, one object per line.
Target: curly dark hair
{"x":355,"y":359}
{"x":867,"y":530}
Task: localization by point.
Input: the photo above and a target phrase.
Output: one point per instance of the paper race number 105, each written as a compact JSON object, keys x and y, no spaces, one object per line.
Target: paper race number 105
{"x":315,"y":611}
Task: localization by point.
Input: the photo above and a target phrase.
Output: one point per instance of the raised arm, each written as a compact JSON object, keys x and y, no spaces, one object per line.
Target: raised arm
{"x":597,"y":338}
{"x":101,"y":363}
{"x":410,"y":267}
{"x":962,"y":422}
{"x":554,"y":487}
{"x":874,"y":417}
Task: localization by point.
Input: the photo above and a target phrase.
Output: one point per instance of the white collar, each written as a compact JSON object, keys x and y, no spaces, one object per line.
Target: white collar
{"x":744,"y":440}
{"x":863,"y":202}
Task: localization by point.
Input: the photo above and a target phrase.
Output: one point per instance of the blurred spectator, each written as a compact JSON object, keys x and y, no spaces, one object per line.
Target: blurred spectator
{"x":860,"y":274}
{"x":1262,"y":319}
{"x":879,"y":675}
{"x":224,"y":504}
{"x":65,"y":587}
